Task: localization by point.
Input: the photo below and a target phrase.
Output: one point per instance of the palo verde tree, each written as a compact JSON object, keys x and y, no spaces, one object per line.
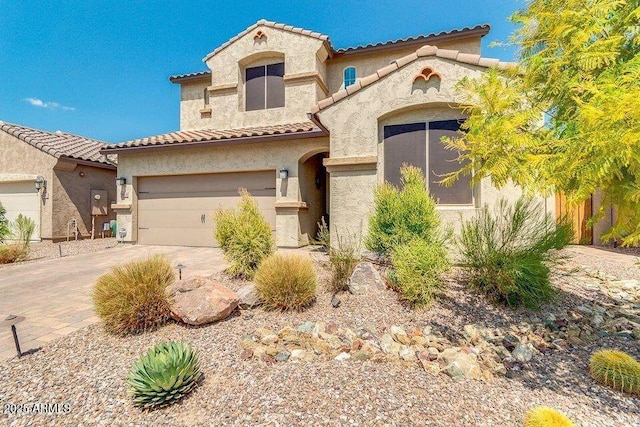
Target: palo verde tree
{"x":567,"y":118}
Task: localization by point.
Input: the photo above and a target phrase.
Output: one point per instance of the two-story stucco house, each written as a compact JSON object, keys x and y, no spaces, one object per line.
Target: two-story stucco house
{"x":308,"y":129}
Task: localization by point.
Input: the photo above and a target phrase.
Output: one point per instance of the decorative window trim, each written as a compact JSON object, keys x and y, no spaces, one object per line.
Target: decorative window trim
{"x":426,"y":74}
{"x":260,"y":35}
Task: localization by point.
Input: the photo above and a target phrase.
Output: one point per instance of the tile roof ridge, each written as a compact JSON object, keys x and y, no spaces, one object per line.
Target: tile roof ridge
{"x":270,"y":24}
{"x":424,"y":51}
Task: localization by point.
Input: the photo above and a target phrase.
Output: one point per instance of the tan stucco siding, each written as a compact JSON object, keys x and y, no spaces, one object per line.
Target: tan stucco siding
{"x":301,"y":54}
{"x":223,"y":158}
{"x":356,"y":126}
{"x":191,"y":102}
{"x":353,"y":122}
{"x":72,"y":197}
{"x":227,"y":109}
{"x":18,"y":157}
{"x":367,"y":64}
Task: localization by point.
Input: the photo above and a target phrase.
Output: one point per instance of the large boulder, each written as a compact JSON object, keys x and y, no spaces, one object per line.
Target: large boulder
{"x":198,"y":301}
{"x":460,"y":364}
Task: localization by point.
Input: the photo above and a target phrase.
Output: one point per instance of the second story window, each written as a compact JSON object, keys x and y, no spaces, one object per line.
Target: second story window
{"x":349,"y":76}
{"x":206,"y":97}
{"x":264,"y":87}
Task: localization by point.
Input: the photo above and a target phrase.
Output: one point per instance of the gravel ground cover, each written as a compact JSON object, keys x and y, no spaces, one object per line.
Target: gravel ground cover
{"x":40,"y":251}
{"x":87,"y":370}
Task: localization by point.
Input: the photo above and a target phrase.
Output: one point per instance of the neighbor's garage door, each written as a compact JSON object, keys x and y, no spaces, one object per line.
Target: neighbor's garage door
{"x":178,"y":210}
{"x":21,"y":198}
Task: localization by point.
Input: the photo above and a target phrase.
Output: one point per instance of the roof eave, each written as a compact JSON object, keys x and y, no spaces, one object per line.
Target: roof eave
{"x":88,"y":162}
{"x":316,"y":133}
{"x":478,"y":31}
{"x":188,"y":79}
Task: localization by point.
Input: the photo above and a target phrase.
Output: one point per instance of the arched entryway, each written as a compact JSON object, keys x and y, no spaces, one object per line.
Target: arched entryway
{"x":314,"y":191}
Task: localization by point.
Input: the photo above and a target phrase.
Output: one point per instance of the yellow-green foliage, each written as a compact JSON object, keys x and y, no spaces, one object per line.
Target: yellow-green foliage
{"x":132,"y":298}
{"x":13,"y":252}
{"x":617,"y":370}
{"x":286,"y":282}
{"x":401,"y":215}
{"x":244,"y":235}
{"x":580,"y":69}
{"x":543,"y":416}
{"x":418,"y":267}
{"x":165,"y":374}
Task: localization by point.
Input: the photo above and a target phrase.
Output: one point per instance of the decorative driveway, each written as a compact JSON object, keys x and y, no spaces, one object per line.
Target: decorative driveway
{"x":55,"y":295}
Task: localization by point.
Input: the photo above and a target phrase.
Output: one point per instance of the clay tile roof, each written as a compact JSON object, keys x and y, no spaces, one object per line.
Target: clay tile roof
{"x":189,"y":76}
{"x":276,"y":25}
{"x":210,"y":135}
{"x":61,"y":144}
{"x":479,"y":29}
{"x":424,"y":51}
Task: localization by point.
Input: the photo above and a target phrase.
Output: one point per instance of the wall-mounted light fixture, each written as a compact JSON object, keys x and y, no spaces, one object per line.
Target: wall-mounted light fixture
{"x":121,"y":181}
{"x":41,"y":184}
{"x":284,"y":173}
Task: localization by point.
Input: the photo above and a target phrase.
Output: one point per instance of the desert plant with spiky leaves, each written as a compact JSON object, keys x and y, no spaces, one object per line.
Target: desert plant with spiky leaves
{"x":543,"y":416}
{"x":165,"y":374}
{"x":617,"y":370}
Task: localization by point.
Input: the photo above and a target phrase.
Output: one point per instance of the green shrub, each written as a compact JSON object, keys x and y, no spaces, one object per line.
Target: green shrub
{"x":4,"y":224}
{"x":132,"y":298}
{"x":543,"y":416}
{"x":617,"y":370}
{"x":286,"y":282}
{"x":402,"y":215}
{"x":163,"y":375}
{"x":22,"y":229}
{"x":343,"y":258}
{"x":418,"y":269}
{"x":244,"y":235}
{"x":506,"y":252}
{"x":13,"y":252}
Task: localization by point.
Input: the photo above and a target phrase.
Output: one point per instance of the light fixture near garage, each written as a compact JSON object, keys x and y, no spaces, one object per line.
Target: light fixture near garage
{"x":120,"y":181}
{"x":40,"y":183}
{"x":284,"y":173}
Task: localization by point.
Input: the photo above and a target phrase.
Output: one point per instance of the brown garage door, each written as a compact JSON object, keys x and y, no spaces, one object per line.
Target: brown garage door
{"x":178,"y":210}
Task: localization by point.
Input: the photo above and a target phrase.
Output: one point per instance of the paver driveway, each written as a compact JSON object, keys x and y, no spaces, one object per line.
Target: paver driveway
{"x":55,"y":295}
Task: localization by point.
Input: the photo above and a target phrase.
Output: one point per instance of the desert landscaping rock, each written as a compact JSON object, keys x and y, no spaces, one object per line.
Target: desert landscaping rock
{"x":198,"y":301}
{"x":364,"y":277}
{"x":247,"y":297}
{"x":88,"y":368}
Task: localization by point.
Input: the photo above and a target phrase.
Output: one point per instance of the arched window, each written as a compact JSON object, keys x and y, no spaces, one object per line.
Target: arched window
{"x":349,"y":76}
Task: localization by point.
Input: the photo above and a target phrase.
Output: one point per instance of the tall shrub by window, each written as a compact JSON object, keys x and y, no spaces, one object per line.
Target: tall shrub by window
{"x":264,"y":87}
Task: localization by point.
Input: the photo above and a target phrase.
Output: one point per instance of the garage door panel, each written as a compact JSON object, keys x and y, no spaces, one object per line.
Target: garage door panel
{"x":200,"y":203}
{"x":21,"y":198}
{"x":179,"y":210}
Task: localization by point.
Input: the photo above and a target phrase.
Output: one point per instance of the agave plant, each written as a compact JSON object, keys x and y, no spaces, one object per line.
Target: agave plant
{"x":163,"y":375}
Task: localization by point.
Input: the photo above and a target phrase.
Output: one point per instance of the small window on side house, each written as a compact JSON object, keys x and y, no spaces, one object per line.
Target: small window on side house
{"x":206,"y":97}
{"x":264,"y":87}
{"x":349,"y":76}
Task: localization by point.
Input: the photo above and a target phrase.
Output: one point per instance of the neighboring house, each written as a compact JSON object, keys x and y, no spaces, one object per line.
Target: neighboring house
{"x":53,"y":178}
{"x":308,"y":129}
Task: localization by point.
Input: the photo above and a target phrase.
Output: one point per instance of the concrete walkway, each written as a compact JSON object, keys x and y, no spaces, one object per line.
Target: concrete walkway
{"x":55,"y":295}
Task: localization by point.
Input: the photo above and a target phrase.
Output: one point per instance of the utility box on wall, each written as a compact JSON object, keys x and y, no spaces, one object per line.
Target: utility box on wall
{"x":99,"y":202}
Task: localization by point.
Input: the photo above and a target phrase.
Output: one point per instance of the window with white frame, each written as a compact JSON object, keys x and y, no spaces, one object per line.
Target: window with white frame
{"x":349,"y":76}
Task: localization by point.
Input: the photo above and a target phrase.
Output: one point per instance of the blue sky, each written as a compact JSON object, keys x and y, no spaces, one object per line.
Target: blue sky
{"x":100,"y":68}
